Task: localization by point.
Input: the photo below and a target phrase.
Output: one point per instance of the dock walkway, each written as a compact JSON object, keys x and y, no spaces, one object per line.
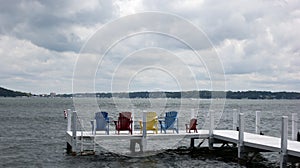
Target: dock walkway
{"x":259,"y":142}
{"x":246,"y":142}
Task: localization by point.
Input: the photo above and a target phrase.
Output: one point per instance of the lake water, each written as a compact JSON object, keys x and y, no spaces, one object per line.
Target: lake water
{"x":32,"y":132}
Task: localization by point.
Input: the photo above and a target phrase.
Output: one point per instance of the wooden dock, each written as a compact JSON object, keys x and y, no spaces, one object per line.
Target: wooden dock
{"x":289,"y":150}
{"x":259,"y":142}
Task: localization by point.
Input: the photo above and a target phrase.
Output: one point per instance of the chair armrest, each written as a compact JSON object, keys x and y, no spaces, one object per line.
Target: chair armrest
{"x":160,"y":121}
{"x":187,"y":126}
{"x":155,"y":122}
{"x":116,"y":122}
{"x":141,"y":123}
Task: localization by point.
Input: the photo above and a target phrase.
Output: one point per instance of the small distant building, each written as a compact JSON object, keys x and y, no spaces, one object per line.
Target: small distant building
{"x":52,"y":94}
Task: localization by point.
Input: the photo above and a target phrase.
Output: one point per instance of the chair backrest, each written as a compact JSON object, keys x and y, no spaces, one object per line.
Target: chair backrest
{"x":101,"y":120}
{"x":151,"y":116}
{"x":151,"y":120}
{"x":125,"y":114}
{"x":193,"y":124}
{"x":170,"y":119}
{"x":124,"y":120}
{"x":172,"y":114}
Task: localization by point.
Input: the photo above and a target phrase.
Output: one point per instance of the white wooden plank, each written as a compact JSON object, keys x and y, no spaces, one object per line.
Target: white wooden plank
{"x":226,"y":135}
{"x":293,"y":148}
{"x":137,"y":134}
{"x":262,"y":142}
{"x":257,"y":141}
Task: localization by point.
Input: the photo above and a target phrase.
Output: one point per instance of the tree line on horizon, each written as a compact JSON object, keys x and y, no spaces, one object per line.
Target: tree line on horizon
{"x":199,"y":94}
{"x":204,"y":94}
{"x":10,"y":93}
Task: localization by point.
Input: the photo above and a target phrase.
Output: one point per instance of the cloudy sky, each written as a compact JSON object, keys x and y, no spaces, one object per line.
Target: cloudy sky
{"x":45,"y":44}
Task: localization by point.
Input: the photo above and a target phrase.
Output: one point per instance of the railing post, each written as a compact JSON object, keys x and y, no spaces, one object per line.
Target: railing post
{"x":81,"y":136}
{"x":144,"y":140}
{"x":144,"y":124}
{"x":294,"y":126}
{"x":69,"y":119}
{"x":284,"y":136}
{"x":132,"y":121}
{"x":241,"y":136}
{"x":69,"y":115}
{"x":74,"y":129}
{"x":211,"y":128}
{"x":192,"y":113}
{"x":257,"y":122}
{"x":234,"y":118}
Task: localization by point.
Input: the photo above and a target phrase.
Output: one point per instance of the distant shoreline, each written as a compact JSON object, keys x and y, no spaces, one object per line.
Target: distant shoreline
{"x":195,"y":94}
{"x":204,"y":94}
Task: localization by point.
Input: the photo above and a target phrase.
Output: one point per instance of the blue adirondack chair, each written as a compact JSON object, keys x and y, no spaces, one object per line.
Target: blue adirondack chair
{"x":101,"y":122}
{"x":170,"y":122}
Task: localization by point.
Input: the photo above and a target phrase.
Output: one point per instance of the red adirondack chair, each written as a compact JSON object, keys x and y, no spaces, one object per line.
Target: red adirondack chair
{"x":124,"y":122}
{"x":192,"y":126}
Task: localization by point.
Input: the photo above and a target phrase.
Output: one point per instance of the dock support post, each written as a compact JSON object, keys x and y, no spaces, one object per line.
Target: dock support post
{"x":234,"y":118}
{"x":241,"y":136}
{"x":69,"y":148}
{"x":284,"y":136}
{"x":192,"y":144}
{"x":211,"y":128}
{"x":294,"y":126}
{"x":74,"y":129}
{"x":257,"y":122}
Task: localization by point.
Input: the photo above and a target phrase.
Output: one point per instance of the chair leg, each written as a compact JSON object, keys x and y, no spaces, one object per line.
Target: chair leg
{"x":107,"y":130}
{"x":186,"y":128}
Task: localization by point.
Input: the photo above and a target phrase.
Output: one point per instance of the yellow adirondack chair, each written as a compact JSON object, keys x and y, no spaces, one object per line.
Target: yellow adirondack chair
{"x":151,"y":122}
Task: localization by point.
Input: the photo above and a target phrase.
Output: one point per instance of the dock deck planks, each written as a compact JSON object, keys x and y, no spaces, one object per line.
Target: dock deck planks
{"x":262,"y":142}
{"x":257,"y":141}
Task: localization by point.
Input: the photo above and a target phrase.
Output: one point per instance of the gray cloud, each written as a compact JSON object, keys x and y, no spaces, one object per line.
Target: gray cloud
{"x":49,"y":24}
{"x":257,"y":41}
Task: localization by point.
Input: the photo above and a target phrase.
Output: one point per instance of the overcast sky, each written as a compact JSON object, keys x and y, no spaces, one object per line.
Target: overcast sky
{"x":42,"y":43}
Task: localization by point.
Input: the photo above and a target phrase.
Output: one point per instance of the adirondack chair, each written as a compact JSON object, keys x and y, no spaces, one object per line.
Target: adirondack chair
{"x":151,"y":122}
{"x":124,"y":122}
{"x":192,"y":125}
{"x":170,"y":122}
{"x":101,"y":122}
